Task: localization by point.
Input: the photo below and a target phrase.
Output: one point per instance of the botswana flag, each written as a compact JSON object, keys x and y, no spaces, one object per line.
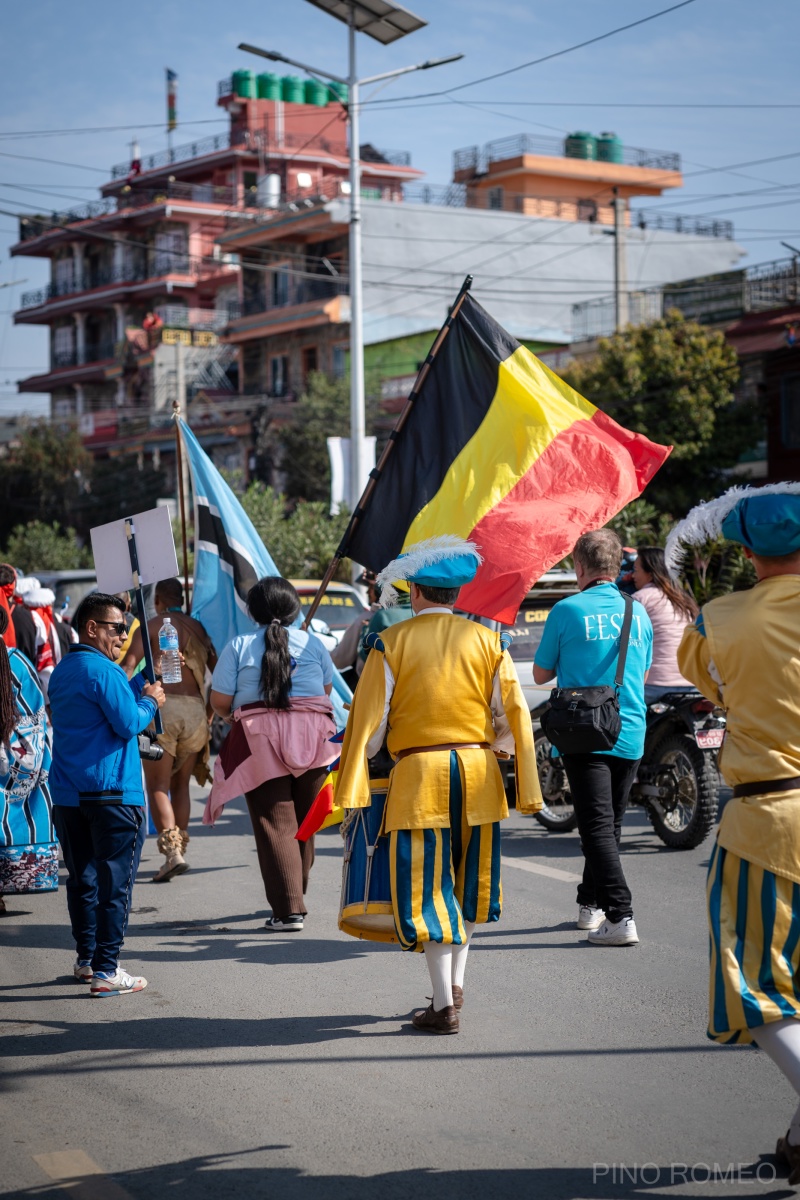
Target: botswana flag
{"x":498,"y":449}
{"x":229,"y":556}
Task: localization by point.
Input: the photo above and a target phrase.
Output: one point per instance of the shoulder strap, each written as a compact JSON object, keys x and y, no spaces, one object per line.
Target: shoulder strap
{"x":624,"y":639}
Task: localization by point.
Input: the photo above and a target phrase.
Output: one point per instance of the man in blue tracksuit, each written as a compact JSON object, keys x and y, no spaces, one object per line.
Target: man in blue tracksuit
{"x":96,"y":786}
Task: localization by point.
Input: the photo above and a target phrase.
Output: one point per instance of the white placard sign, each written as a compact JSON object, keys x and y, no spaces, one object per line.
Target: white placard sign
{"x":155,"y":547}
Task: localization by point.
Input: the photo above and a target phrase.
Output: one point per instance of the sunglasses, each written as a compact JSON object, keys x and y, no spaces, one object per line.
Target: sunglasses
{"x":119,"y":627}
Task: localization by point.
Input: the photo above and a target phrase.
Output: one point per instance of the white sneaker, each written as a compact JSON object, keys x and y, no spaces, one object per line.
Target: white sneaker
{"x":104,"y":983}
{"x":82,"y":971}
{"x":590,"y":917}
{"x":619,"y":933}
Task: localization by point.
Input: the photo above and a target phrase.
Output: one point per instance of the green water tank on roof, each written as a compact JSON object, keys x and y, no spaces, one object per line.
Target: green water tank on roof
{"x":338,"y":92}
{"x":610,"y":148}
{"x":316,"y":93}
{"x":244,"y":84}
{"x":580,"y":145}
{"x":268,"y":86}
{"x":292,"y":89}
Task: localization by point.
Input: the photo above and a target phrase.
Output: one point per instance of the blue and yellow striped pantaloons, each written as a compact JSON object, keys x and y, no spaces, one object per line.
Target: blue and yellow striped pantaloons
{"x":754,"y":927}
{"x":441,"y":878}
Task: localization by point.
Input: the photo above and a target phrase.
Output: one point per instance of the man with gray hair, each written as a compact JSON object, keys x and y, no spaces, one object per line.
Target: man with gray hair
{"x":580,"y":646}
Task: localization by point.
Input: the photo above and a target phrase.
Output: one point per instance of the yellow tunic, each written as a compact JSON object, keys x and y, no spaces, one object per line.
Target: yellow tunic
{"x":443,"y":669}
{"x":749,"y":663}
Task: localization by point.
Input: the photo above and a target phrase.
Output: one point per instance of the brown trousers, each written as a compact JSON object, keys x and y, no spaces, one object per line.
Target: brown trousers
{"x":277,"y":809}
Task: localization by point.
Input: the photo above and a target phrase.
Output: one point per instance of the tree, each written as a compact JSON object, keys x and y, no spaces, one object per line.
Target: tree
{"x":641,"y":524}
{"x":302,"y":541}
{"x":38,"y":547}
{"x":674,"y":381}
{"x":44,"y":476}
{"x":300,"y":447}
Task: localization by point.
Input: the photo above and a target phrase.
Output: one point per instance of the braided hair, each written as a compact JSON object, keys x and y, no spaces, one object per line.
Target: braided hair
{"x":274,"y":603}
{"x":8,"y":703}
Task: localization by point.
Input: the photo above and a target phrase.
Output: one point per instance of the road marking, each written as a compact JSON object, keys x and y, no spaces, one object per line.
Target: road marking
{"x":540,"y":869}
{"x":80,"y":1175}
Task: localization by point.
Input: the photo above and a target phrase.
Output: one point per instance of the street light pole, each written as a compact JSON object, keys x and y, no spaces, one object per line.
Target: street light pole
{"x":357,"y":404}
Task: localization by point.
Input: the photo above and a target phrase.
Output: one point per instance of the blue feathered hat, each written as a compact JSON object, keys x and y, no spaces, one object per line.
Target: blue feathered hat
{"x":439,"y":562}
{"x":765,"y":519}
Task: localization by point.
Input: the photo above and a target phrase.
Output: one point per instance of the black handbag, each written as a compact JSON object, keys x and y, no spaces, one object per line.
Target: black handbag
{"x":583,"y":720}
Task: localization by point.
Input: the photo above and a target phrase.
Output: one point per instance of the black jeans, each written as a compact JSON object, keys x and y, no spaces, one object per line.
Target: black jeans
{"x":600,"y":785}
{"x":101,"y":844}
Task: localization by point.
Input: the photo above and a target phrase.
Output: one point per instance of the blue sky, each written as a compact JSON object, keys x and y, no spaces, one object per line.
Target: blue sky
{"x":97,"y":65}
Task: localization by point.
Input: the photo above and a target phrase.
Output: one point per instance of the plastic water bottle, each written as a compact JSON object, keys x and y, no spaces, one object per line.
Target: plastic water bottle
{"x":170,"y":653}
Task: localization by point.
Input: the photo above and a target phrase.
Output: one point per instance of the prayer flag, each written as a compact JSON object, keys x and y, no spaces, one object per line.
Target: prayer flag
{"x":499,"y":450}
{"x":172,"y":100}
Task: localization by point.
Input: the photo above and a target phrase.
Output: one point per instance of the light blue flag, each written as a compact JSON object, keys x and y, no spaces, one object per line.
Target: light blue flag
{"x":229,"y":557}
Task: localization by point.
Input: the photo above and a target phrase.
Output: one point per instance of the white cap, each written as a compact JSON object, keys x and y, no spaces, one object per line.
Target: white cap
{"x":26,"y":584}
{"x":40,"y":598}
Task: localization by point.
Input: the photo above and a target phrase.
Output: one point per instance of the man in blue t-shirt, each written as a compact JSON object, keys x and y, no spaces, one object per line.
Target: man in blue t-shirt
{"x":580,"y":647}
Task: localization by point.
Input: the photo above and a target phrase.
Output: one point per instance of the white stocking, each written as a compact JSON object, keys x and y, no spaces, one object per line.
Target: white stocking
{"x":781,"y":1041}
{"x":439,"y":957}
{"x":460,"y":955}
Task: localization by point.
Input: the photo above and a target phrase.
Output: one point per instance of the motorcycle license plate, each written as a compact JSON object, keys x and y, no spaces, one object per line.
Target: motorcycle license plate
{"x":709,"y":739}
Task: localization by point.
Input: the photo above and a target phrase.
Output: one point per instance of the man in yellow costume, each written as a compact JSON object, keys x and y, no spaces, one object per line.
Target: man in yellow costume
{"x":444,"y":693}
{"x":743,"y":652}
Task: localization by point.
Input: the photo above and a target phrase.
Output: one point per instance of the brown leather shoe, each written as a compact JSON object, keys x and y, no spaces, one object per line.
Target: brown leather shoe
{"x":443,"y":1021}
{"x":790,"y":1155}
{"x":458,"y":997}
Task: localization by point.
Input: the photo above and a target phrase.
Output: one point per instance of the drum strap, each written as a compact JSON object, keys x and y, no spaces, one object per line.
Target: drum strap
{"x":445,"y":746}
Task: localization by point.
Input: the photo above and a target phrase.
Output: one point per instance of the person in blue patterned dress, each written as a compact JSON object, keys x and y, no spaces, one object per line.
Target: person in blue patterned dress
{"x":28,"y":848}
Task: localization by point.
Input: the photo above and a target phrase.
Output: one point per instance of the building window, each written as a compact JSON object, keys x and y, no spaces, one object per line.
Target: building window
{"x":309,"y":361}
{"x":790,"y":411}
{"x":171,"y":252}
{"x":279,"y":375}
{"x":63,"y":345}
{"x":280,"y":287}
{"x":587,"y":210}
{"x":339,"y":362}
{"x":495,"y":197}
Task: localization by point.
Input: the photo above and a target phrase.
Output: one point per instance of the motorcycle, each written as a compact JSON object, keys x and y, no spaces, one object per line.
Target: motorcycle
{"x":677,"y":783}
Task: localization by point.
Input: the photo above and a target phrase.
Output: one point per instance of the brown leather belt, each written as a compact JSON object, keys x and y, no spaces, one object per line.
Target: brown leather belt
{"x":445,"y":746}
{"x":763,"y":786}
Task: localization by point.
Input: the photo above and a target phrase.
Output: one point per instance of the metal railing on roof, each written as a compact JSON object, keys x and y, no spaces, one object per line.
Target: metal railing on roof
{"x":709,"y":300}
{"x":478,"y":158}
{"x":197,"y":149}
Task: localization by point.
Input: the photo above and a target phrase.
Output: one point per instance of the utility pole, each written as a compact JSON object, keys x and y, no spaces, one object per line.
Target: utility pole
{"x":620,"y":263}
{"x":621,"y":315}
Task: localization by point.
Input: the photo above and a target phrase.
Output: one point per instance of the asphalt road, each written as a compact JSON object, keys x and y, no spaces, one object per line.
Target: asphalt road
{"x":266,"y":1065}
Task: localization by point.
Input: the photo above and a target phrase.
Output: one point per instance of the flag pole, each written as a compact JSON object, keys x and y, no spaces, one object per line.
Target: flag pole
{"x":176,"y":416}
{"x":375,"y":474}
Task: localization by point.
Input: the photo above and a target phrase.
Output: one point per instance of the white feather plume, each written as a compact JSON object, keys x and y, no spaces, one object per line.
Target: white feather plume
{"x":703,"y":523}
{"x":421,"y":554}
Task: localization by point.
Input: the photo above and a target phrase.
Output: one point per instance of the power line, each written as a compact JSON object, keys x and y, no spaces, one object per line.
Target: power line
{"x":548,"y":57}
{"x":55,"y":162}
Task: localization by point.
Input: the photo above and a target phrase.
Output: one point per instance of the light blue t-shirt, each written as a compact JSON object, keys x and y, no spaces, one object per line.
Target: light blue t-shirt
{"x":580,"y":643}
{"x":238,"y":672}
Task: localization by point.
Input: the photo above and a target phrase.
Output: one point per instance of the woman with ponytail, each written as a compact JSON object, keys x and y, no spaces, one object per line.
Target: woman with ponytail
{"x":28,"y":848}
{"x":670,"y":609}
{"x":274,"y":686}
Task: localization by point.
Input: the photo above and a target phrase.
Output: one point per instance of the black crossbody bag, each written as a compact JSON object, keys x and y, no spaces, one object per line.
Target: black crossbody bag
{"x":583,"y":720}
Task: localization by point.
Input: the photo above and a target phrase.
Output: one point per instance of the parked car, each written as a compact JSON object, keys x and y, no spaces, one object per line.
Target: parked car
{"x":70,"y":587}
{"x":528,"y":628}
{"x":340,"y":606}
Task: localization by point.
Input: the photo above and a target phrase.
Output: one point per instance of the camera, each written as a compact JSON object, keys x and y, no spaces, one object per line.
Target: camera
{"x":149,"y":749}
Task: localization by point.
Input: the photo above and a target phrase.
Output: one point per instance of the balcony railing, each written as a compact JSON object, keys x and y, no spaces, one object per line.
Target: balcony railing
{"x":303,"y":291}
{"x":718,"y":298}
{"x":158,"y":264}
{"x":478,"y":158}
{"x":178,"y":316}
{"x":197,"y":193}
{"x":92,"y":352}
{"x":196,"y":149}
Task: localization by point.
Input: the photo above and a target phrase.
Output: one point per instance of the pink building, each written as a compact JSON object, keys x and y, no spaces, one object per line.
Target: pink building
{"x":137,"y":275}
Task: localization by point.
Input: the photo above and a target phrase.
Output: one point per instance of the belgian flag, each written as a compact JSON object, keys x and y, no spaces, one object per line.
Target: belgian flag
{"x":499,"y":450}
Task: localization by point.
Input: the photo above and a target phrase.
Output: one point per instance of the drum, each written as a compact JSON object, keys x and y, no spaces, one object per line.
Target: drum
{"x":366,"y":905}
